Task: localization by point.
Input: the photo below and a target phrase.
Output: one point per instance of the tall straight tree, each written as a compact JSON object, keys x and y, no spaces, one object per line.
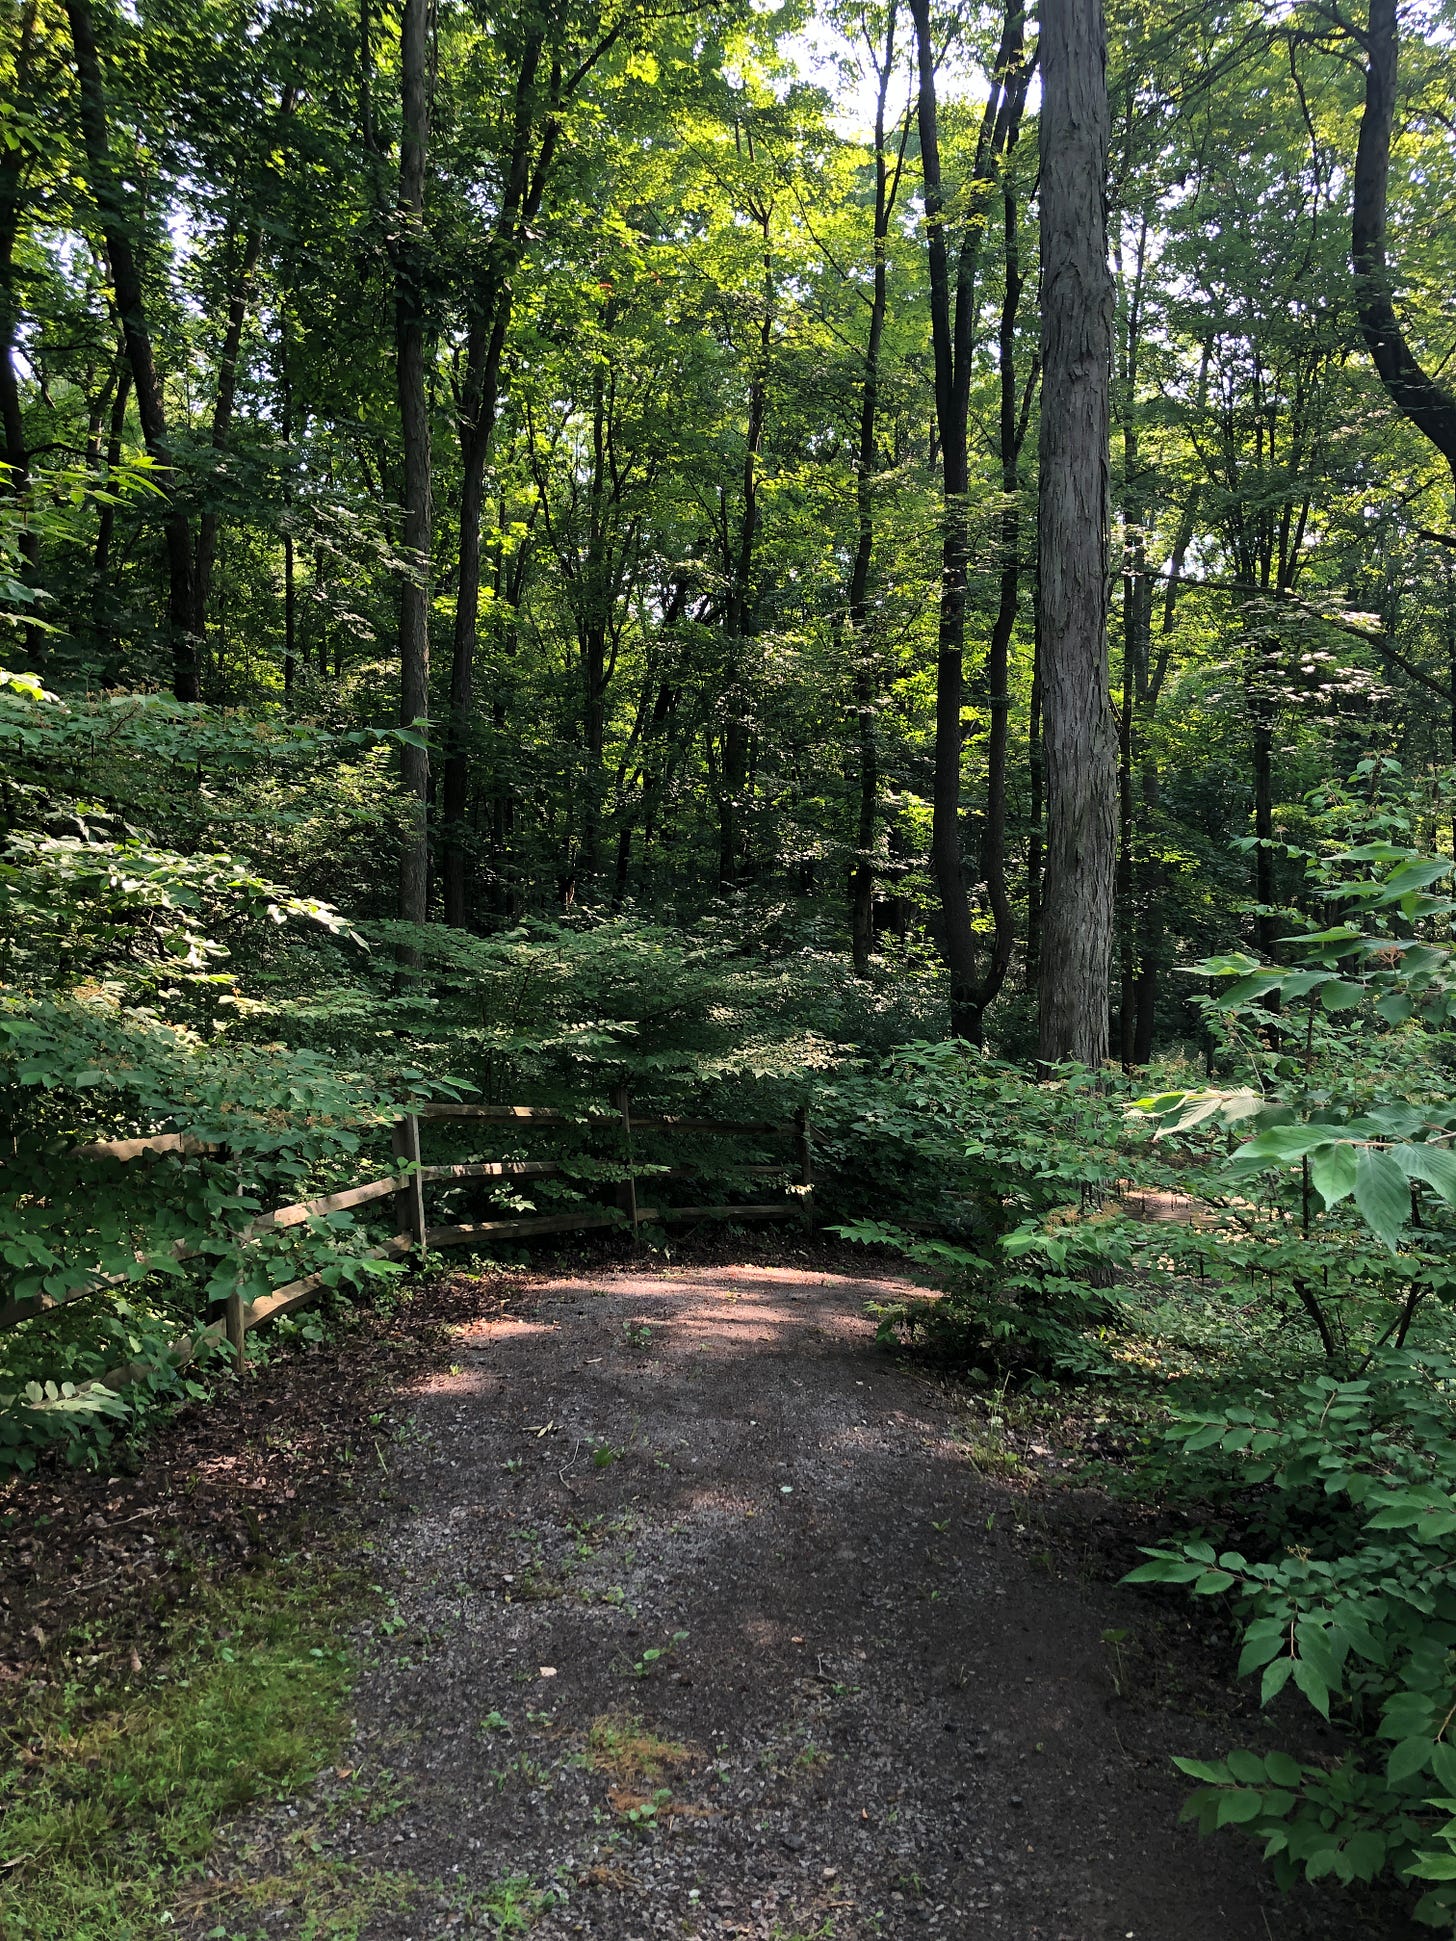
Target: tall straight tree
{"x":126,"y":281}
{"x":952,"y":318}
{"x":414,"y":422}
{"x":887,"y":189}
{"x":1079,"y":732}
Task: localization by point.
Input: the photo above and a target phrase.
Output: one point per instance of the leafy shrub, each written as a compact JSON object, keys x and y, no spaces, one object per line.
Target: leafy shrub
{"x":1340,"y":1196}
{"x":1354,"y":1607}
{"x":1020,"y":1177}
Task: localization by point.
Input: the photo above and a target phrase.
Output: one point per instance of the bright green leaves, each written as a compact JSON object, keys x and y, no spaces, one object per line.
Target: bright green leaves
{"x":1332,"y":1171}
{"x":1382,"y":1194}
{"x":1349,"y":1609}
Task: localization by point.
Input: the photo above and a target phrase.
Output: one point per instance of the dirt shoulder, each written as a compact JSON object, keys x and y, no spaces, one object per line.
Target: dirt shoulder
{"x":703,"y":1622}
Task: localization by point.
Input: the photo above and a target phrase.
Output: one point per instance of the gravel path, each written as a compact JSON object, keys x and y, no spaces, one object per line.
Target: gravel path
{"x":705,"y":1619}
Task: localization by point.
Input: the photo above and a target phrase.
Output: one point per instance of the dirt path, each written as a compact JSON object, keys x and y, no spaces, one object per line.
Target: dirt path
{"x":705,"y":1616}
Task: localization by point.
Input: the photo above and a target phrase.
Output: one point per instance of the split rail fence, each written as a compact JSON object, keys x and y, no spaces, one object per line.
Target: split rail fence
{"x":406,"y":1186}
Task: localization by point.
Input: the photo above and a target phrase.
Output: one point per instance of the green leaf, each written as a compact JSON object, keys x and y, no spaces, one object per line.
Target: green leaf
{"x":1213,"y":1581}
{"x":1283,"y":1770}
{"x":1200,"y":1769}
{"x":1238,"y":1806}
{"x":1366,"y":1853}
{"x":1332,"y":1172}
{"x":1311,"y":1684}
{"x":1164,"y":1570}
{"x":1410,"y":1756}
{"x":1259,"y":1649}
{"x":1417,"y":874}
{"x":1341,"y":994}
{"x":1381,"y":1194}
{"x":1436,"y":1165}
{"x":1276,"y":1677}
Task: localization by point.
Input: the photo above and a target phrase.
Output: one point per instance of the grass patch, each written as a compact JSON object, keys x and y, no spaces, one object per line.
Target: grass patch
{"x":621,"y":1746}
{"x":113,"y":1794}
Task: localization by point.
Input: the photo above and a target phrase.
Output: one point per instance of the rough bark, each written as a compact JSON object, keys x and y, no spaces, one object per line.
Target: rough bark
{"x":412,"y":385}
{"x":1079,"y":732}
{"x":1429,"y":406}
{"x":126,"y":283}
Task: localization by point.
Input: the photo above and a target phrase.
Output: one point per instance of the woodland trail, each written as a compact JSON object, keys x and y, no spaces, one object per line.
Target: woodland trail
{"x":705,"y":1612}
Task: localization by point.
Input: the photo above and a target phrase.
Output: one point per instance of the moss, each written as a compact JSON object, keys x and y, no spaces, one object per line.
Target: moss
{"x":115,"y":1795}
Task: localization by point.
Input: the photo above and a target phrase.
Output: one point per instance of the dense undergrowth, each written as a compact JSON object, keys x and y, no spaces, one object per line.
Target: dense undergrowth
{"x":1255,"y":1274}
{"x":1282,"y":1343}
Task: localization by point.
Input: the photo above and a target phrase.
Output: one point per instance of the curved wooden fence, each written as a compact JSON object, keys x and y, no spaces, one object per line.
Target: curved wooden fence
{"x":407,"y":1186}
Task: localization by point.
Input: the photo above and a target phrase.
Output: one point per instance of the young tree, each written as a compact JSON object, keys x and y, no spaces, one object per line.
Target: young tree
{"x":952,"y":315}
{"x":121,"y":257}
{"x":411,"y":376}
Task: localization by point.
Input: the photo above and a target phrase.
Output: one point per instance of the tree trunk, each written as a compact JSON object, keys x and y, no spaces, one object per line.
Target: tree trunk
{"x":952,"y":305}
{"x":222,"y":410}
{"x":740,"y":607}
{"x":998,"y":656}
{"x":1079,"y":732}
{"x":491,"y":303}
{"x":862,"y":883}
{"x":412,"y":383}
{"x":105,"y":529}
{"x":12,"y":427}
{"x":127,"y":285}
{"x":1416,"y":395}
{"x":1036,"y":812}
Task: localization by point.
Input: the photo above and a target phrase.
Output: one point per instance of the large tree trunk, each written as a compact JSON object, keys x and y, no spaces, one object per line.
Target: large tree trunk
{"x":1428,"y":405}
{"x":1080,"y":736}
{"x":1036,"y":812}
{"x":126,"y":282}
{"x":412,"y":382}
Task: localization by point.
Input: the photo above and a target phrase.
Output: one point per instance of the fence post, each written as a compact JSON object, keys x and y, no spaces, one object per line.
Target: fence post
{"x":629,"y":1185}
{"x":234,"y":1317}
{"x":804,"y":1149}
{"x":409,"y":1201}
{"x":237,"y":1329}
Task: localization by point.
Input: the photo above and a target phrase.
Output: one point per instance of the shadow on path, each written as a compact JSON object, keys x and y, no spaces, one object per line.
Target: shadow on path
{"x":705,"y":1613}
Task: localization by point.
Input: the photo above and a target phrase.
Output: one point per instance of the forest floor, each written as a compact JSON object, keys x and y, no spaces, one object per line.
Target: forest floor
{"x":694,"y":1613}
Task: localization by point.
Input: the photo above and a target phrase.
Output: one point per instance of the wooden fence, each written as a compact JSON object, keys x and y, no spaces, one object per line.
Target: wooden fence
{"x":406,"y":1187}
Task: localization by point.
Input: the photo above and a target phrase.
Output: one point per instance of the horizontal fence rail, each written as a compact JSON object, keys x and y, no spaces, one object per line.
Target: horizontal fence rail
{"x":406,"y":1185}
